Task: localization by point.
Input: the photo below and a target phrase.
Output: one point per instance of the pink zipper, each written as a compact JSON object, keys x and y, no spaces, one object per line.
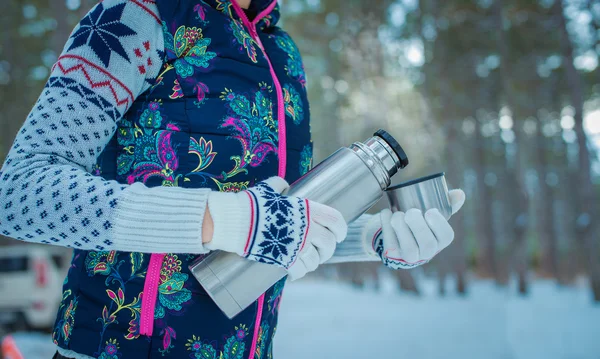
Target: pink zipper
{"x":281,"y":129}
{"x":150,"y":294}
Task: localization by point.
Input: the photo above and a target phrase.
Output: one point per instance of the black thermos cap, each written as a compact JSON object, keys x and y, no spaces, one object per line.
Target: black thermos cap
{"x":391,"y":141}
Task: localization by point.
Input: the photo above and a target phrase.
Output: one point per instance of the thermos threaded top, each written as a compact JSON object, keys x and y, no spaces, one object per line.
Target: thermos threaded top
{"x":391,"y":141}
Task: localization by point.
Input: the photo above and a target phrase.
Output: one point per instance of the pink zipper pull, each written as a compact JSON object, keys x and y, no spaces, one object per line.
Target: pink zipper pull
{"x":253,"y":32}
{"x":254,"y":35}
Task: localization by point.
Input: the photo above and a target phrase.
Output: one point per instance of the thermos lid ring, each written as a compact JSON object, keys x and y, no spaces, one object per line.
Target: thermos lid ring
{"x":391,"y":141}
{"x":417,"y":180}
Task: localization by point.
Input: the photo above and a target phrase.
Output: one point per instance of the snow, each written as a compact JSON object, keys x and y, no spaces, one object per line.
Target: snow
{"x":326,"y":319}
{"x":329,"y":320}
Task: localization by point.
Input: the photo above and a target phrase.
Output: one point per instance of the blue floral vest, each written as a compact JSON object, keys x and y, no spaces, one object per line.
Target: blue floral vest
{"x":215,"y":117}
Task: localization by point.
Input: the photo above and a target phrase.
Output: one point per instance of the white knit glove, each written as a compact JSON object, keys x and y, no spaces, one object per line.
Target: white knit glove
{"x":264,"y":226}
{"x":399,"y":240}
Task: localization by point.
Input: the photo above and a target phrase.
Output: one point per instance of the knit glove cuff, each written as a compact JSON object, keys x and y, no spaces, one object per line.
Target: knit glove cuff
{"x":260,"y":223}
{"x":232,"y":215}
{"x":279,"y":225}
{"x":372,"y":237}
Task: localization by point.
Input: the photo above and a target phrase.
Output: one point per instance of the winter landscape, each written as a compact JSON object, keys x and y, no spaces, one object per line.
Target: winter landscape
{"x":324,"y":320}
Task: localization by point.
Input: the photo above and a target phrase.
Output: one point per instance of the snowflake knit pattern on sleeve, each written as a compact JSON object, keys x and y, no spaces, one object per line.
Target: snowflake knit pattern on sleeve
{"x":48,"y":190}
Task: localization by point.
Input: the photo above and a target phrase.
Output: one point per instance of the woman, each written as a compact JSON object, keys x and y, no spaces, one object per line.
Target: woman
{"x":166,"y":130}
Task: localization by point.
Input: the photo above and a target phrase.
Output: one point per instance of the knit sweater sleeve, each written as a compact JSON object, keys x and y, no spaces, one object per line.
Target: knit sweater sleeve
{"x":48,"y":193}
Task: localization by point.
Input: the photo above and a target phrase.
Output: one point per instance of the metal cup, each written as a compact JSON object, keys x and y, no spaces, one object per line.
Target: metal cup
{"x":422,"y":193}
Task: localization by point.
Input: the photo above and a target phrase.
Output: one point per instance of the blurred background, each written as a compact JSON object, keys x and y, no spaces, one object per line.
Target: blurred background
{"x":502,"y":95}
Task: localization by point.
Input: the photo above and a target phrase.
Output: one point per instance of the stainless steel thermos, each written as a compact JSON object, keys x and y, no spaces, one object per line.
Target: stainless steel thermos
{"x":351,"y":180}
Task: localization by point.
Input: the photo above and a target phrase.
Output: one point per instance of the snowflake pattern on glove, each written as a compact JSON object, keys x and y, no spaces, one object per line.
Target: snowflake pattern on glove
{"x":274,"y":237}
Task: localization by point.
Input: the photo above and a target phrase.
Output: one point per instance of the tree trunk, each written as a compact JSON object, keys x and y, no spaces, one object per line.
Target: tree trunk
{"x":588,"y":213}
{"x":518,"y":200}
{"x":11,"y":20}
{"x":545,"y":210}
{"x":456,"y":256}
{"x":486,"y":259}
{"x":406,"y":281}
{"x":595,"y":23}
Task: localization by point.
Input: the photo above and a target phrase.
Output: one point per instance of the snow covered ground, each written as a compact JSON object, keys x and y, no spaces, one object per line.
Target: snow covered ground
{"x":327,"y":320}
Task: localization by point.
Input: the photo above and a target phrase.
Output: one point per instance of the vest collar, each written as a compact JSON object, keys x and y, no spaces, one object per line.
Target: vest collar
{"x":267,"y":11}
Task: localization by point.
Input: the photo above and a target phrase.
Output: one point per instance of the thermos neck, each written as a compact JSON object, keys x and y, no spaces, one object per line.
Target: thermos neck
{"x":379,"y":157}
{"x":383,"y":155}
{"x":386,"y":154}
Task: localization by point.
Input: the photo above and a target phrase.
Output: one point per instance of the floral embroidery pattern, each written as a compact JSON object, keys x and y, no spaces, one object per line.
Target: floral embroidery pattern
{"x":167,"y":333}
{"x":232,"y":186}
{"x":253,"y":125}
{"x":225,"y":7}
{"x":201,"y":13}
{"x":189,"y":48}
{"x":233,"y":349}
{"x":111,"y":350}
{"x":159,"y":159}
{"x":102,"y":262}
{"x":235,"y":346}
{"x":151,"y":116}
{"x":64,"y":326}
{"x":251,"y":119}
{"x":148,"y":152}
{"x":270,"y":350}
{"x":177,"y":92}
{"x":171,"y":293}
{"x":202,"y":149}
{"x":160,"y":78}
{"x":260,"y":344}
{"x":293,"y":104}
{"x":306,"y":157}
{"x":200,"y":350}
{"x":109,"y":316}
{"x":294,"y":67}
{"x":269,"y":19}
{"x":200,"y":89}
{"x":243,"y":40}
{"x":106,"y":264}
{"x":172,"y":296}
{"x":275,"y":298}
{"x":96,"y":170}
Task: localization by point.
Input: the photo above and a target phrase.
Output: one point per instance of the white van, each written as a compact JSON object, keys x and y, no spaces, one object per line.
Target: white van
{"x":31,"y":278}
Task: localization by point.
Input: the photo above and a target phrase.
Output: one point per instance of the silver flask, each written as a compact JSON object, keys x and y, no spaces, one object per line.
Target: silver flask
{"x":351,"y":180}
{"x":422,"y":193}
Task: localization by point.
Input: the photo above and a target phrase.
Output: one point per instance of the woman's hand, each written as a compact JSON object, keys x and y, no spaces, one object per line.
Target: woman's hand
{"x":207,"y":227}
{"x":407,"y":240}
{"x":263,"y":225}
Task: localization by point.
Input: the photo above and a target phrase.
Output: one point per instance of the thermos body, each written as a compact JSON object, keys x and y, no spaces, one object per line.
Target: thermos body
{"x":335,"y":182}
{"x":234,"y":282}
{"x":351,"y":180}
